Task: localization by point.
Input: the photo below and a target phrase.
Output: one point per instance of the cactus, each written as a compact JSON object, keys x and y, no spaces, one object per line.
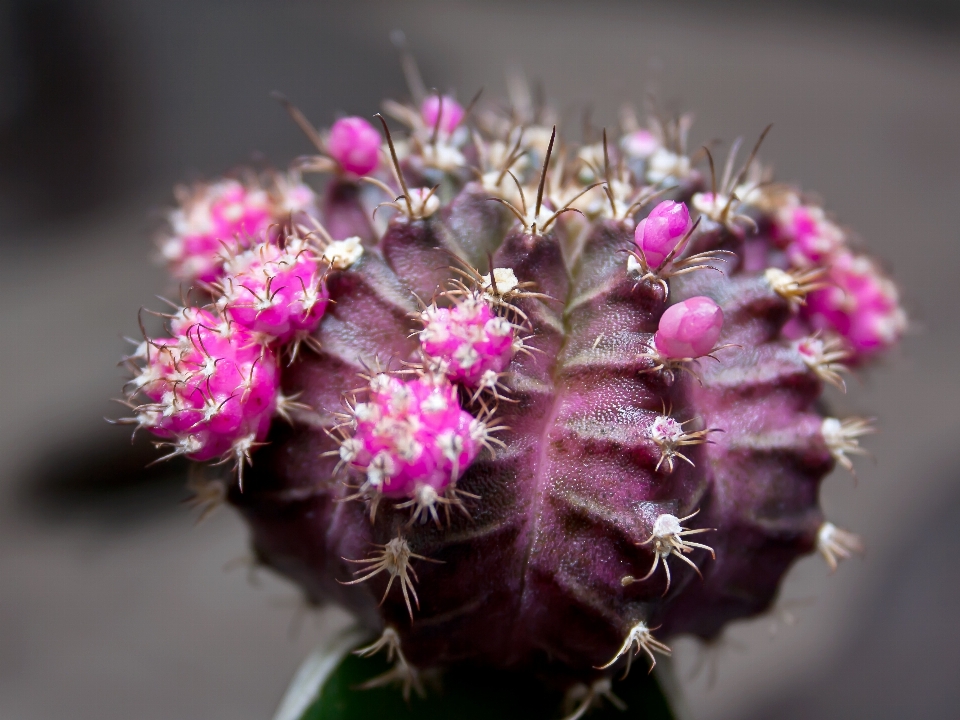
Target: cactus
{"x":544,"y":406}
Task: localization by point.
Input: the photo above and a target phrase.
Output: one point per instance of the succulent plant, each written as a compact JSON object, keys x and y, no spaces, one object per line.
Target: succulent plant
{"x":541,"y":406}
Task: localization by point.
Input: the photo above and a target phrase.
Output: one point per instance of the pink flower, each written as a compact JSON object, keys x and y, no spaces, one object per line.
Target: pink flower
{"x":210,"y":218}
{"x":814,"y":238}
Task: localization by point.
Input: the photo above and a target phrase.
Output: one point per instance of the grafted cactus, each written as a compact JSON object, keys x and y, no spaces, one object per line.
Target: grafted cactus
{"x":545,"y":406}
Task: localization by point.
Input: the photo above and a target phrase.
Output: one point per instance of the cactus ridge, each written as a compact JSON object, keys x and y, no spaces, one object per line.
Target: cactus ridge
{"x":553,"y":401}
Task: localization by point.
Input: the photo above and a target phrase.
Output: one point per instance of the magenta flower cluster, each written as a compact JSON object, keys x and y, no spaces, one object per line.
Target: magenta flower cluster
{"x":228,"y":215}
{"x":411,"y":437}
{"x":469,"y":340}
{"x":210,"y":387}
{"x":857,"y":301}
{"x":276,"y":292}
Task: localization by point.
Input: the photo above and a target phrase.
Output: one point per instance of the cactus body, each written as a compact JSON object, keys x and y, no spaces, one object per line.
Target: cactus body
{"x":543,"y":415}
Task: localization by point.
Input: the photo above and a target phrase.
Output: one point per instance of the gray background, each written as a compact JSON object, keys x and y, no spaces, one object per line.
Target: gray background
{"x":113,"y":604}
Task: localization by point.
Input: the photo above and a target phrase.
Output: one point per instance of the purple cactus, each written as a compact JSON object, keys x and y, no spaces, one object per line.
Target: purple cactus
{"x":568,"y":417}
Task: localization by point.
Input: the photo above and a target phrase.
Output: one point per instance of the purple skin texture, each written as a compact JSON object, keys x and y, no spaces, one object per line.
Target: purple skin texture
{"x":533,"y":577}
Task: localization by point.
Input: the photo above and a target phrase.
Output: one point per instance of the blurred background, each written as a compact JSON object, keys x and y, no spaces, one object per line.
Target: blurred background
{"x":115,"y":604}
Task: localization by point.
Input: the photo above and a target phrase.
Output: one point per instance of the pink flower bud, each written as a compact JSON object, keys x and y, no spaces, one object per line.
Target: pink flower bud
{"x":689,"y":329}
{"x":658,"y":234}
{"x":354,"y":144}
{"x":452,"y":113}
{"x":639,"y":144}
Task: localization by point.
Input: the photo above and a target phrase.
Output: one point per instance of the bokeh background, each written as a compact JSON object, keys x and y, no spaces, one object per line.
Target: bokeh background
{"x":115,"y":604}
